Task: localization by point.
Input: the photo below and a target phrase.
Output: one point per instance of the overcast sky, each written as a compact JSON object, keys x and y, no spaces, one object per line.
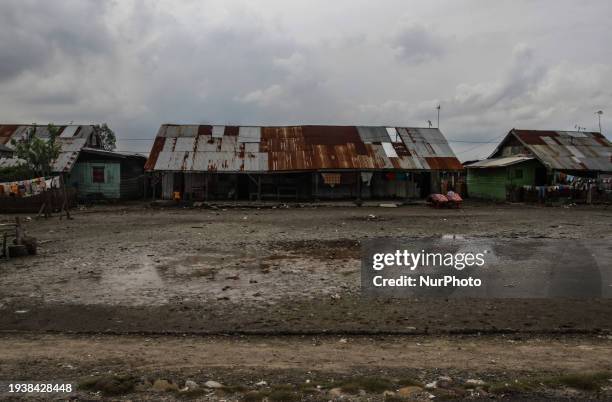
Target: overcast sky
{"x":492,"y":65}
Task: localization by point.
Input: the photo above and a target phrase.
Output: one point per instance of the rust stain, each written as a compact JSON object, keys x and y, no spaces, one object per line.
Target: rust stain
{"x":158,"y":145}
{"x":294,"y":148}
{"x":534,"y":137}
{"x":444,"y":163}
{"x":204,"y":130}
{"x":6,"y":131}
{"x":231,"y":131}
{"x":185,"y":159}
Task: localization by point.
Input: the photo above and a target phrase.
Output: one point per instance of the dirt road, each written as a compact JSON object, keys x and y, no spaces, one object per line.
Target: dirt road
{"x":239,"y":363}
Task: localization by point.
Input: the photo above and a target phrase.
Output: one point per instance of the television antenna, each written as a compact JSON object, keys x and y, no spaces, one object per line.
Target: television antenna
{"x":599,"y":113}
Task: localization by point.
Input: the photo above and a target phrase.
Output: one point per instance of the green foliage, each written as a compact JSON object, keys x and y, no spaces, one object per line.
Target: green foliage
{"x":369,"y":384}
{"x":16,"y":173}
{"x":107,"y":137}
{"x":109,"y":384}
{"x":38,"y":153}
{"x":584,"y":381}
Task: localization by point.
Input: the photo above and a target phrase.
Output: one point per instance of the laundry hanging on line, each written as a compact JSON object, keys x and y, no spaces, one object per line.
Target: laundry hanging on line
{"x":28,"y":188}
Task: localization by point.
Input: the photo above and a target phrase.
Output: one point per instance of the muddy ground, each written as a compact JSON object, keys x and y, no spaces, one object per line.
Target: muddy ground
{"x":133,"y":272}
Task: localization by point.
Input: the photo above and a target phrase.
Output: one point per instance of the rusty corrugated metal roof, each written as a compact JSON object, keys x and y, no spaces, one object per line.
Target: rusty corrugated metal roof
{"x":499,"y":162}
{"x":298,"y":148}
{"x":565,"y":150}
{"x":72,"y":139}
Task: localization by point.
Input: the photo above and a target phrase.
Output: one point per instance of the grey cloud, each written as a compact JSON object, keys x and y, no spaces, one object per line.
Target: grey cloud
{"x":136,"y":64}
{"x":417,"y":44}
{"x":35,"y":33}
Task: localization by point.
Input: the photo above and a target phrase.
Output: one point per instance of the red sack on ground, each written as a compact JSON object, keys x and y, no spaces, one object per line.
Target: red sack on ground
{"x":437,"y":198}
{"x":454,"y":197}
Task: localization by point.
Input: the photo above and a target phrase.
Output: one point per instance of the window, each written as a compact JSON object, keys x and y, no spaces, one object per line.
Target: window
{"x":97,"y":174}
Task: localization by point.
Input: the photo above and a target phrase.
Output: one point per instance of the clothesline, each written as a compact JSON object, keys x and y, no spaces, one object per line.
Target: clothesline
{"x":29,"y":188}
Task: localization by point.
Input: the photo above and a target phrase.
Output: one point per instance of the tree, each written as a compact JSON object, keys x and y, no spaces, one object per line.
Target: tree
{"x":107,"y":137}
{"x":38,"y":153}
{"x":16,"y":173}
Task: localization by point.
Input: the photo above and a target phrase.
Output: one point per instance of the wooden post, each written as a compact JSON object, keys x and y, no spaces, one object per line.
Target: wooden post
{"x":65,"y":207}
{"x":358,"y":186}
{"x":316,"y":181}
{"x":206,"y":185}
{"x":18,"y":232}
{"x":258,"y":187}
{"x":236,"y":187}
{"x":144,"y":186}
{"x":44,"y":204}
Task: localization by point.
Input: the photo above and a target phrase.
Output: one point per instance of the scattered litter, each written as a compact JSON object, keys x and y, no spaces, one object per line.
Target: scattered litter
{"x":213,"y":384}
{"x":164,"y":386}
{"x":261,"y":383}
{"x":343,"y":340}
{"x":21,"y":311}
{"x":444,"y":382}
{"x":190,"y":385}
{"x":388,"y":205}
{"x":474,"y":382}
{"x":409,"y":391}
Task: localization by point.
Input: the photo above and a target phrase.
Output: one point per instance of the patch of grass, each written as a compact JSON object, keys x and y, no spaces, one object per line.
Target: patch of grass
{"x":283,"y":387}
{"x":368,"y":384}
{"x":109,"y":384}
{"x":234,"y":389}
{"x":307,"y":388}
{"x":283,"y":396}
{"x":582,"y":381}
{"x":192,"y":393}
{"x":408,"y":382}
{"x":350,"y":388}
{"x":394,"y":398}
{"x":585,"y":381}
{"x":254,"y":396}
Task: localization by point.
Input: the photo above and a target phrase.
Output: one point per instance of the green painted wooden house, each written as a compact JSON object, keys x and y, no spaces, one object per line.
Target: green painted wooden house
{"x":99,"y":174}
{"x":493,"y":178}
{"x":535,"y":158}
